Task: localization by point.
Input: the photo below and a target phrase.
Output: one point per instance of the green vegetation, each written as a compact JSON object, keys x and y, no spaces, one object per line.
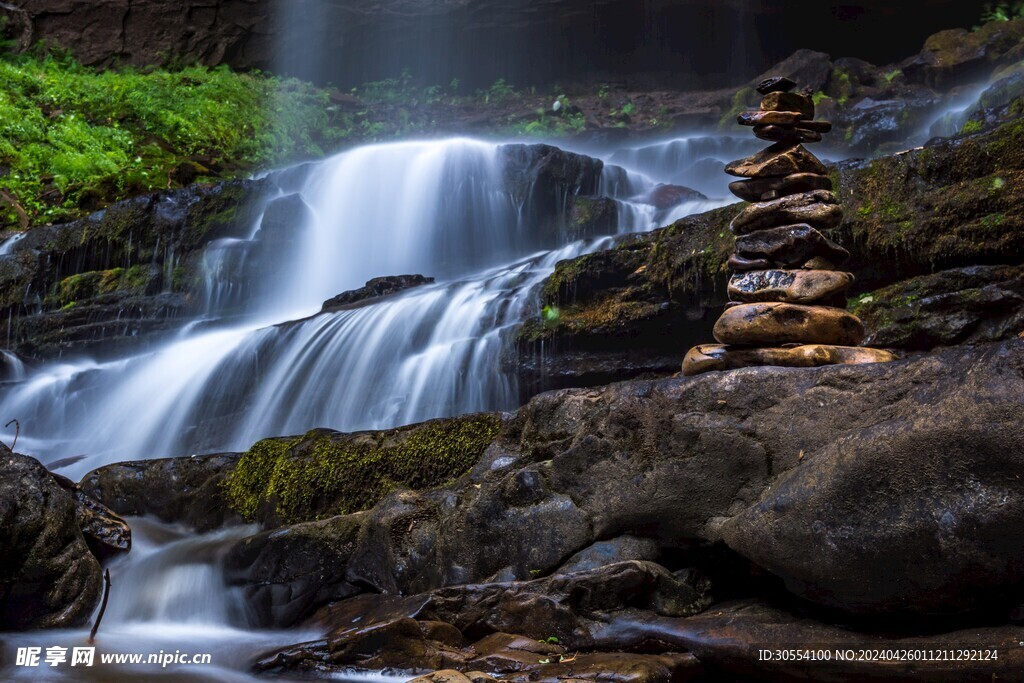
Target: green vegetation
{"x":1002,"y":11}
{"x":326,"y":473}
{"x":971,"y":127}
{"x":73,"y":139}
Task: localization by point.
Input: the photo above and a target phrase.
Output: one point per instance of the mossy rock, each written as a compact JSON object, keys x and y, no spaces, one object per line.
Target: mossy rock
{"x":325,"y":473}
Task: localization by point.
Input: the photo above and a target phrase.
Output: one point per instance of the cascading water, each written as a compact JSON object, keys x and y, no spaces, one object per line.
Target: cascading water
{"x":167,"y":596}
{"x":444,"y":209}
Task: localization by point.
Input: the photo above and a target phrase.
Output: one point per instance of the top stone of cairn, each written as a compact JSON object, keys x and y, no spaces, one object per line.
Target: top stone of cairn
{"x":775,"y":84}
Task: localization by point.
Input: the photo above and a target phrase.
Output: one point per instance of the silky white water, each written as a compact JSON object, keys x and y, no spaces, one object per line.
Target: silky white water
{"x":167,"y":596}
{"x":443,"y":209}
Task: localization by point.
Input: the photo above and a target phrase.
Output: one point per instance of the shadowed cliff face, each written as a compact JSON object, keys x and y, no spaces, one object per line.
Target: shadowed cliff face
{"x":682,"y":43}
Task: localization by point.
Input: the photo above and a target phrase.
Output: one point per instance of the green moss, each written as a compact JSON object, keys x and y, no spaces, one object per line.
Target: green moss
{"x":76,"y":138}
{"x":325,"y":473}
{"x":82,"y":286}
{"x":741,"y":101}
{"x":971,"y":127}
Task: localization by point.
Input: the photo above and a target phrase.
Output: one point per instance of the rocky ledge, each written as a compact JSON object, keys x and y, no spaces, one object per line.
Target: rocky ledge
{"x":911,"y":222}
{"x":667,"y":530}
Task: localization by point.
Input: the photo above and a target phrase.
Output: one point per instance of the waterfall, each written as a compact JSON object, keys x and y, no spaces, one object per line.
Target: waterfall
{"x":167,"y":596}
{"x":446,"y":209}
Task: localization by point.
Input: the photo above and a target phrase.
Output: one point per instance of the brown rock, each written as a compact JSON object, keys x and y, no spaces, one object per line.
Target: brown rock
{"x":764,"y":189}
{"x":768,"y":118}
{"x":620,"y":667}
{"x":786,"y":134}
{"x":775,"y":84}
{"x":738,"y":263}
{"x":788,"y":101}
{"x":816,"y":126}
{"x":818,"y":208}
{"x":789,"y":246}
{"x":790,"y":286}
{"x":781,"y":159}
{"x":819,"y":263}
{"x":711,"y":357}
{"x":443,"y":676}
{"x":778,"y":323}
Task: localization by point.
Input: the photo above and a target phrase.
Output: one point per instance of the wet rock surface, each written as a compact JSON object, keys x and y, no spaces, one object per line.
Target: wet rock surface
{"x":49,"y":578}
{"x":375,"y":289}
{"x":185,"y":491}
{"x":873,"y":466}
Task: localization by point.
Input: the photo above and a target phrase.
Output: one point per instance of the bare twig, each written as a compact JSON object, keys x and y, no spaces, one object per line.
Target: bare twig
{"x":103,"y":607}
{"x":17,"y":431}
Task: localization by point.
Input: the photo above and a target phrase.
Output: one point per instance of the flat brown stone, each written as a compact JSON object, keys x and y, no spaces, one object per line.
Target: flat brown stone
{"x":768,"y":118}
{"x":738,"y":263}
{"x":788,"y":101}
{"x":786,"y":134}
{"x":790,"y":286}
{"x":711,"y":357}
{"x":781,"y":159}
{"x":775,"y":324}
{"x":775,"y":84}
{"x":789,"y":246}
{"x":818,"y":208}
{"x":765,"y":189}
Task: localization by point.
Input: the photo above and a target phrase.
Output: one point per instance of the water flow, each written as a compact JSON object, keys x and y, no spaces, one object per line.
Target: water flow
{"x":440,"y":208}
{"x":168,"y":595}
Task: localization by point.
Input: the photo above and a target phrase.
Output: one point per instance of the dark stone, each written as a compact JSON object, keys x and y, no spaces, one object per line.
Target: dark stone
{"x":786,"y":134}
{"x":957,"y":306}
{"x":789,"y":246}
{"x":818,"y":208}
{"x":375,"y":289}
{"x":743,"y":265}
{"x":281,"y":222}
{"x":174,"y":490}
{"x":49,"y":579}
{"x":287,"y":573}
{"x":616,"y":550}
{"x":764,"y":189}
{"x":105,"y":533}
{"x":775,"y":84}
{"x":917,"y":516}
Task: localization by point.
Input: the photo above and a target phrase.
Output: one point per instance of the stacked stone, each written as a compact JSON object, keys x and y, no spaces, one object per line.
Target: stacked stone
{"x":787,"y":295}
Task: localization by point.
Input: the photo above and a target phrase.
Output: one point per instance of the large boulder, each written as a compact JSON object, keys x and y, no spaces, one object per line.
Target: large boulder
{"x":375,"y":289}
{"x":48,"y":579}
{"x":287,"y":573}
{"x":577,"y":466}
{"x":185,"y":491}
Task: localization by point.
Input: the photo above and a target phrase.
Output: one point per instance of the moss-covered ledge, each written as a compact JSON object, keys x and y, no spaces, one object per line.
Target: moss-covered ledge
{"x":325,"y":473}
{"x":635,"y":309}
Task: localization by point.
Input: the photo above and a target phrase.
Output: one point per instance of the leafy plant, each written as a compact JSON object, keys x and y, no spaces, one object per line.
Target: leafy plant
{"x":1002,"y":11}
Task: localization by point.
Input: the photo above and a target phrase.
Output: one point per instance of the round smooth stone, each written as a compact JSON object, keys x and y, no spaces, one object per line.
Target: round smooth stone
{"x":818,"y":208}
{"x":774,"y":324}
{"x":789,"y":246}
{"x":766,"y":189}
{"x":789,"y":286}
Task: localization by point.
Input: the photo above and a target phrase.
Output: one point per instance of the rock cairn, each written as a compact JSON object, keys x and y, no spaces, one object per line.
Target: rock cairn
{"x":787,"y":295}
